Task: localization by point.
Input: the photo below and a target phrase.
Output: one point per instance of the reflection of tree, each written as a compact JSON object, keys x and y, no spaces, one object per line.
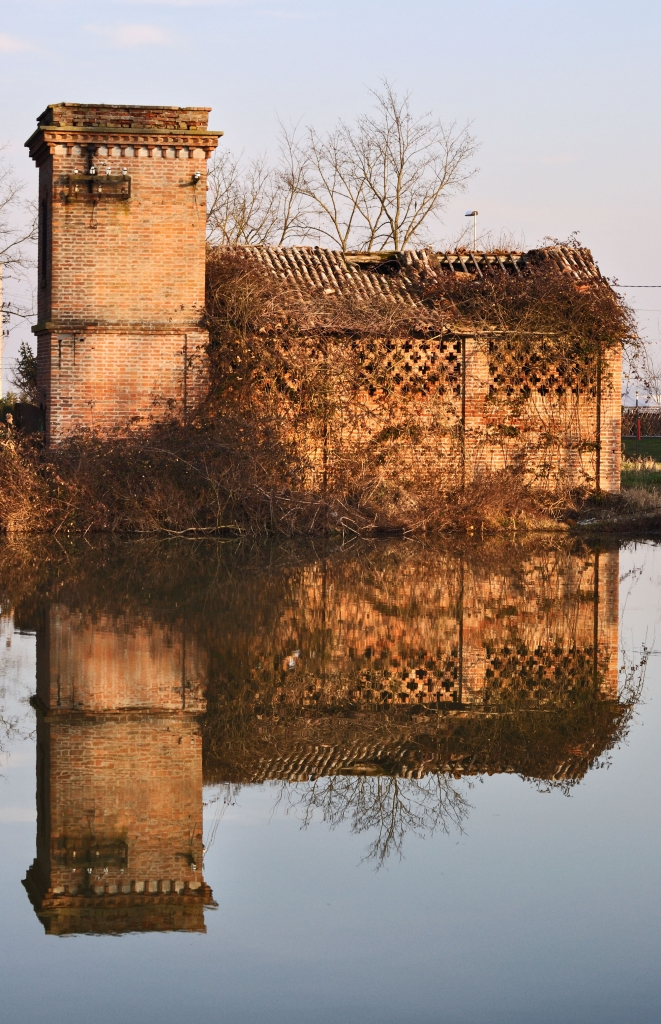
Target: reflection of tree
{"x":8,"y":729}
{"x":11,"y":726}
{"x":224,"y":796}
{"x":318,"y":665}
{"x":389,"y":806}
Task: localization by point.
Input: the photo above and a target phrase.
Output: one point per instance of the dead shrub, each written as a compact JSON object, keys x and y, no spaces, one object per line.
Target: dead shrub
{"x":311,"y":424}
{"x":24,"y":494}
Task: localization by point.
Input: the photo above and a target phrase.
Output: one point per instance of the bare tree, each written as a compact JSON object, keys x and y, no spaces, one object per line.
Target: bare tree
{"x":18,"y":228}
{"x":379,"y":184}
{"x":250,"y":203}
{"x":643,"y":367}
{"x":387,"y":806}
{"x":376,"y":184}
{"x":17,"y":219}
{"x":321,"y":169}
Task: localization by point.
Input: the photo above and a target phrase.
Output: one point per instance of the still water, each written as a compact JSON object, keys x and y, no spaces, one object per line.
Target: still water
{"x":385,"y":783}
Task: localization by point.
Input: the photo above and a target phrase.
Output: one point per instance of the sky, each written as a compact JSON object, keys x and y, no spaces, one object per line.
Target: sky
{"x":562,"y":95}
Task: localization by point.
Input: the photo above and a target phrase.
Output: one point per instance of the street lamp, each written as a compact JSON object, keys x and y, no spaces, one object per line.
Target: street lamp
{"x":473,"y":214}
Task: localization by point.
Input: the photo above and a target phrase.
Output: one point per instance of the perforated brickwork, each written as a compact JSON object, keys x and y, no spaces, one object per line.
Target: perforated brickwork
{"x":428,"y":365}
{"x":443,"y":637}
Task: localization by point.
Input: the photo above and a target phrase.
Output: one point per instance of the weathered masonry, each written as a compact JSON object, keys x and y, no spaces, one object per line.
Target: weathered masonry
{"x":419,"y":395}
{"x":119,"y":776}
{"x":394,"y":381}
{"x":122,"y":214}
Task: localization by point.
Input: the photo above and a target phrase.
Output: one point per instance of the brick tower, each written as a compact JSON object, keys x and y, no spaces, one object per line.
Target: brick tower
{"x":119,"y":776}
{"x":122,"y":212}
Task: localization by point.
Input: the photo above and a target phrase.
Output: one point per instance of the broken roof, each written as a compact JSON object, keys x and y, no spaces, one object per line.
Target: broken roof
{"x":397,"y":275}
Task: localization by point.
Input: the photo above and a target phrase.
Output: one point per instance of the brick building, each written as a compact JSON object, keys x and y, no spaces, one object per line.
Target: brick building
{"x":122,"y":256}
{"x":122,"y":219}
{"x":445,"y":399}
{"x":119,"y":777}
{"x":414,"y":663}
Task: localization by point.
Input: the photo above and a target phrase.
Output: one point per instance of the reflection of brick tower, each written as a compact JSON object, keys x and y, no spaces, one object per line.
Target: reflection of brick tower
{"x":122,"y":215}
{"x":119,"y":778}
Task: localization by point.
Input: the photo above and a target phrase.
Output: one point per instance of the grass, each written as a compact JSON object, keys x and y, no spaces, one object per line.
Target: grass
{"x":642,"y":473}
{"x":641,"y":464}
{"x":646,"y":448}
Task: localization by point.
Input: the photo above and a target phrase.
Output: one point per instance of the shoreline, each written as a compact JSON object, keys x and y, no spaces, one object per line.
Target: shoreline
{"x":191,"y":483}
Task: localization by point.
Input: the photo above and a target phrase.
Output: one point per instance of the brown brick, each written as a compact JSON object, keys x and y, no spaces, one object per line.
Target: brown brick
{"x":119,"y":777}
{"x":121,"y":280}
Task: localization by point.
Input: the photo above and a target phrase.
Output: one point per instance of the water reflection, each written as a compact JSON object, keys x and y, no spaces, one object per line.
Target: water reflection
{"x":369,"y":685}
{"x":362,"y":683}
{"x":119,"y":776}
{"x":344,"y":665}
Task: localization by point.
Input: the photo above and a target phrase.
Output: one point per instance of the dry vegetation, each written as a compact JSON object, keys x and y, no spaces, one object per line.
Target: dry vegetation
{"x":191,"y":480}
{"x":247,"y":605}
{"x":284,"y":440}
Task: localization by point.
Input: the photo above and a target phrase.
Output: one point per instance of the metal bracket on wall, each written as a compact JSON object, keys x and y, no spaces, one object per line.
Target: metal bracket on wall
{"x":96,"y":187}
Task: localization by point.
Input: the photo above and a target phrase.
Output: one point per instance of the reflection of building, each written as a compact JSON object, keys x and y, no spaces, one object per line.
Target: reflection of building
{"x":518,"y":652}
{"x":119,"y":777}
{"x":397,"y":660}
{"x":441,"y":631}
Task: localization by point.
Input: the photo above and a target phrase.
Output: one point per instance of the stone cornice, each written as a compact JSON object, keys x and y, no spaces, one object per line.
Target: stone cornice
{"x":51,"y":712}
{"x":44,"y":139}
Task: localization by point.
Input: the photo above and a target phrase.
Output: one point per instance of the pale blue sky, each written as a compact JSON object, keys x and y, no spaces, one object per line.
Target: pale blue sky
{"x":563,"y":95}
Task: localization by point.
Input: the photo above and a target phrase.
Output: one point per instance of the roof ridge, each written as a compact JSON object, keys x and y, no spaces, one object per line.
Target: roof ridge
{"x":397,"y":276}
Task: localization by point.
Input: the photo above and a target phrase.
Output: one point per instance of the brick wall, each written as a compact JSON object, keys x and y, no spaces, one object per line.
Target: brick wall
{"x":433,"y":630}
{"x":362,"y":402}
{"x":119,"y":776}
{"x":571,"y":438}
{"x":121,"y":262}
{"x":386,"y":419}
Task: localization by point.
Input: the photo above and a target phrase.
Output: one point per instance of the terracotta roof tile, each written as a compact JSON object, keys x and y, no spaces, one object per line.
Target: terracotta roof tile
{"x":302,"y":762}
{"x":393,"y":275}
